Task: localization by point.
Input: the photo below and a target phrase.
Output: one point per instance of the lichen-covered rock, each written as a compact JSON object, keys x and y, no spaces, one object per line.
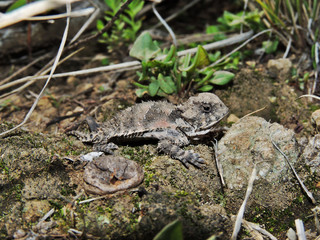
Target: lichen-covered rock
{"x":248,"y":142}
{"x":311,"y":154}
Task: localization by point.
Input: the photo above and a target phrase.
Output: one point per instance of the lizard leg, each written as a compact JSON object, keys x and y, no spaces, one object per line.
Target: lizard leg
{"x":176,"y":152}
{"x":105,"y":147}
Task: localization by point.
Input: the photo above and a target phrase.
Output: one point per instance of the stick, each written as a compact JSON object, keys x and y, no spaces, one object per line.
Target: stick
{"x":63,"y":41}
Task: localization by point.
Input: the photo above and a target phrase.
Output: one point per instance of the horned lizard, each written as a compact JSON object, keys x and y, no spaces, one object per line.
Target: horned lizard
{"x":173,"y":126}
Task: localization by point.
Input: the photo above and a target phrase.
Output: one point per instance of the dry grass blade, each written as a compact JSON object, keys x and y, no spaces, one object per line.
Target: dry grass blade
{"x":23,"y":69}
{"x":47,"y":215}
{"x":79,"y":13}
{"x":219,"y":166}
{"x":62,"y":44}
{"x":240,"y":214}
{"x":300,"y":229}
{"x":86,"y":25}
{"x":30,"y":10}
{"x":255,"y":227}
{"x":133,"y":65}
{"x":174,"y":39}
{"x":310,"y":95}
{"x":173,"y":16}
{"x":241,"y":46}
{"x":254,"y":112}
{"x":30,"y":80}
{"x":309,"y":194}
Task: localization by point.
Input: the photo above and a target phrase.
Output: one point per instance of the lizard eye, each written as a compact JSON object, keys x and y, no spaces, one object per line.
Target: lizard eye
{"x":206,"y":108}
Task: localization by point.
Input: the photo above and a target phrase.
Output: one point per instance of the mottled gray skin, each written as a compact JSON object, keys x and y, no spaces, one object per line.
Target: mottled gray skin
{"x":173,"y":126}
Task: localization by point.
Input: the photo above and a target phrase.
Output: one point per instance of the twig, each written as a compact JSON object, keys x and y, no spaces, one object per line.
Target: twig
{"x":219,"y":167}
{"x":309,"y":194}
{"x":300,"y":229}
{"x":23,"y":69}
{"x":316,"y":58}
{"x":63,"y":41}
{"x":32,"y":79}
{"x":126,"y":65}
{"x":185,"y":8}
{"x":103,"y":30}
{"x":288,"y":48}
{"x":78,"y":13}
{"x":241,"y":46}
{"x":256,"y":227}
{"x":30,"y":10}
{"x":48,"y":214}
{"x":85,"y":25}
{"x":240,"y":214}
{"x":259,"y":110}
{"x":173,"y":36}
{"x":223,"y":43}
{"x":310,"y":95}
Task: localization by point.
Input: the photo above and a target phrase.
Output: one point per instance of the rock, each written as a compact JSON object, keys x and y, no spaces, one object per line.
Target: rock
{"x":247,"y":143}
{"x":280,"y":67}
{"x":232,"y":118}
{"x":311,"y":153}
{"x":35,"y":209}
{"x":109,"y":174}
{"x":315,"y":118}
{"x":44,"y":186}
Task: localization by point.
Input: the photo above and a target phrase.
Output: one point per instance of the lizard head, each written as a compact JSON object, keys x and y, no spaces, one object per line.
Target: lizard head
{"x":203,"y":112}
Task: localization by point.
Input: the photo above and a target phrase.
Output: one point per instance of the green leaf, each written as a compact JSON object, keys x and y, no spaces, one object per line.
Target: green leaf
{"x":153,"y":88}
{"x":221,"y":78}
{"x":213,"y":237}
{"x":214,"y":56}
{"x":270,"y":46}
{"x":100,"y":25}
{"x":144,"y":48}
{"x":166,"y":84}
{"x":185,"y":61}
{"x":206,"y":88}
{"x":16,"y":5}
{"x":212,"y":29}
{"x":172,"y":231}
{"x":135,"y":6}
{"x":171,"y":54}
{"x":140,"y":85}
{"x":201,"y":57}
{"x":140,"y":92}
{"x":200,"y":60}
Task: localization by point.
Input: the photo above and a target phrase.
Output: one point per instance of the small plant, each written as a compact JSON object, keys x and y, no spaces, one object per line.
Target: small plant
{"x":125,"y":27}
{"x":231,"y":22}
{"x":297,"y":23}
{"x":163,"y":72}
{"x":172,"y":231}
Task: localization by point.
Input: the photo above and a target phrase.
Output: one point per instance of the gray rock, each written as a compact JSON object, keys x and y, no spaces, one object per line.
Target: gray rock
{"x":248,"y":142}
{"x":311,"y":153}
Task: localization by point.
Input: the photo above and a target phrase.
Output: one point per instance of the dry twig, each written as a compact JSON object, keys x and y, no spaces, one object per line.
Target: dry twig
{"x":63,"y":41}
{"x":30,"y":10}
{"x":240,"y":214}
{"x":309,"y":194}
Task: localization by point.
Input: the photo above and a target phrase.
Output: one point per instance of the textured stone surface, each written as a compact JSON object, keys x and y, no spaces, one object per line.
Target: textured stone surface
{"x":248,"y":142}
